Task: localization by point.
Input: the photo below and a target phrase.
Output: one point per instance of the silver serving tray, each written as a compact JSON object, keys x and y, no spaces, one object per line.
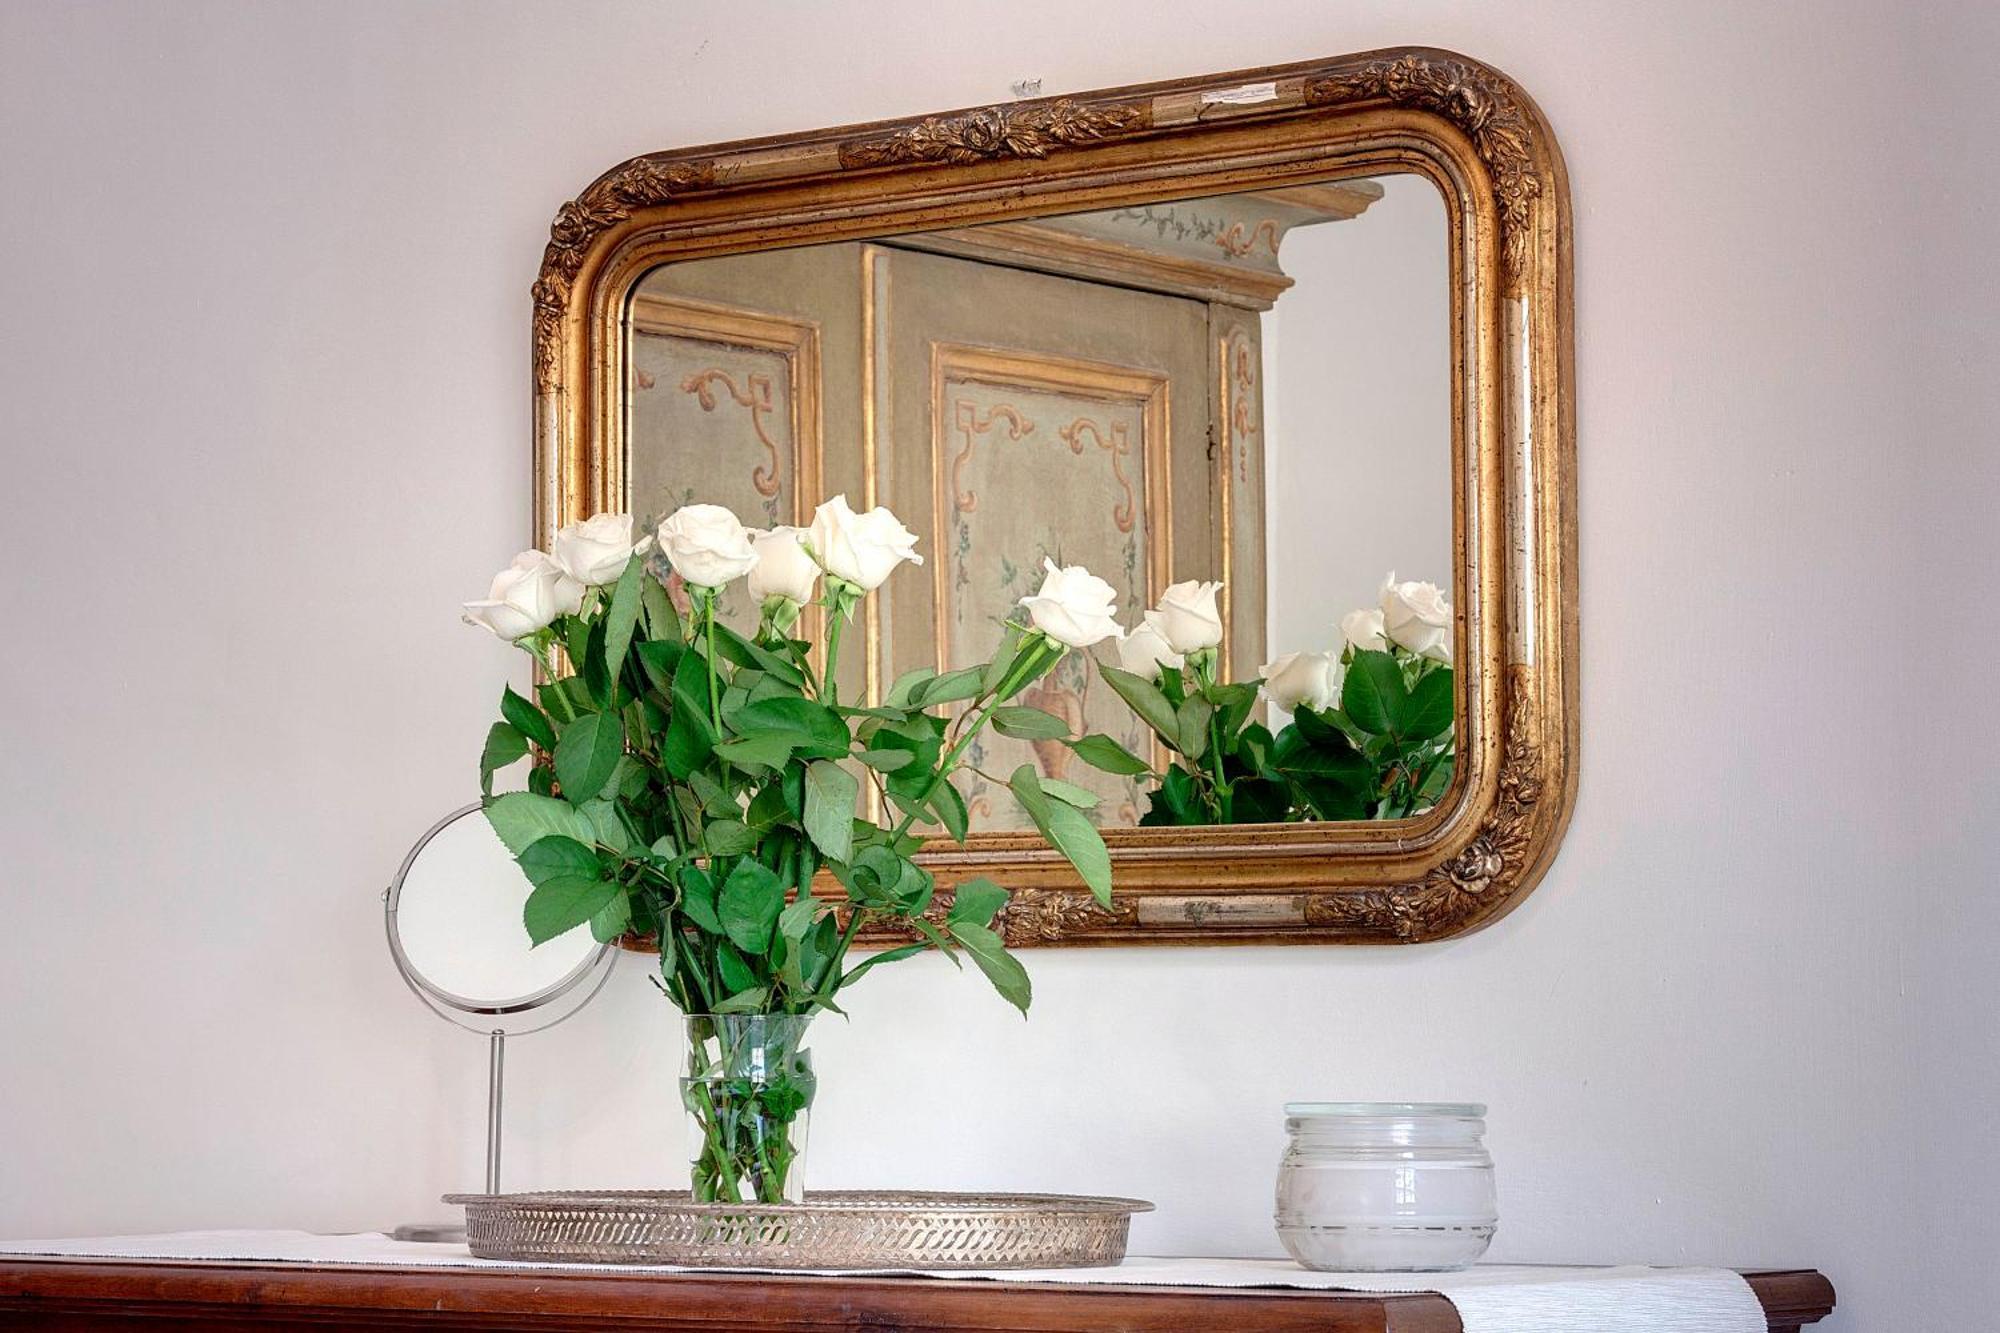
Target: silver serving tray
{"x":834,"y":1229}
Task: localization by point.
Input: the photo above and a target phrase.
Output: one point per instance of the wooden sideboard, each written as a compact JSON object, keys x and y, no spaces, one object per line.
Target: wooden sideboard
{"x":80,"y":1294}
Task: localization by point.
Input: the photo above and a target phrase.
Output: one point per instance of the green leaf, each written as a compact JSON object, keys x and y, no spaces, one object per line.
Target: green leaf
{"x":950,"y":809}
{"x":1374,"y":695}
{"x":559,"y":857}
{"x":1003,"y":661}
{"x":504,"y":745}
{"x":698,"y":899}
{"x":886,"y":761}
{"x":952,"y":687}
{"x":1191,"y":725}
{"x":564,"y":903}
{"x":734,"y":647}
{"x":976,"y":901}
{"x":813,"y":729}
{"x":527,"y":719}
{"x":1101,"y":752}
{"x":522,"y":818}
{"x":623,"y":617}
{"x":690,"y":741}
{"x":1145,"y":699}
{"x":1001,"y":968}
{"x":1026,"y":785}
{"x":737,"y":975}
{"x":796,"y":921}
{"x":604,"y":820}
{"x":1029,"y":724}
{"x":907,"y":685}
{"x":1431,"y":707}
{"x":770,"y":750}
{"x":728,"y":837}
{"x":660,"y":658}
{"x":1078,"y":840}
{"x":663,"y":623}
{"x":746,"y":1002}
{"x":749,"y":904}
{"x":613,"y":919}
{"x":588,"y":753}
{"x":1070,"y":793}
{"x":830,"y":795}
{"x":1067,"y":830}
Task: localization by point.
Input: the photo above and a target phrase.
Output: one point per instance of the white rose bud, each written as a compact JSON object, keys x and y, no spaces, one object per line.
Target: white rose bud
{"x":526,"y":597}
{"x":707,"y":545}
{"x":1415,"y":616}
{"x":1187,"y":618}
{"x":1363,"y":629}
{"x":1144,"y":653}
{"x":861,"y":549}
{"x":783,"y":568}
{"x":594,"y":552}
{"x":1309,"y":679}
{"x":1074,"y":606}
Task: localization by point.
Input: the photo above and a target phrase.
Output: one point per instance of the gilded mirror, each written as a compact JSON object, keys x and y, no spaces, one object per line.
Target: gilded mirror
{"x":1301,"y":332}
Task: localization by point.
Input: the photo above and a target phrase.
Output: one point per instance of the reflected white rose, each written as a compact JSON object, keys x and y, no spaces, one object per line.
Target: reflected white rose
{"x":1311,"y":680}
{"x":783,"y":568}
{"x":1415,"y":616}
{"x":1074,"y":606}
{"x":594,"y":551}
{"x":1143,"y":652}
{"x":1187,"y":617}
{"x":1363,"y":629}
{"x":526,"y":596}
{"x":707,"y":545}
{"x":861,"y":549}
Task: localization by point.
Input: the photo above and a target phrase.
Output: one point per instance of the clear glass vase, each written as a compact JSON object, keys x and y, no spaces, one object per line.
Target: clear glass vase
{"x":747,"y":1082}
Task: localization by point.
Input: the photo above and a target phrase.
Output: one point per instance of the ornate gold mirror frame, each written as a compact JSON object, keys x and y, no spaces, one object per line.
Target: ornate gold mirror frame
{"x":1463,"y":125}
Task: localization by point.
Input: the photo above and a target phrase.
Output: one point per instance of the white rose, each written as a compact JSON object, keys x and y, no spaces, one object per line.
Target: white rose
{"x":526,"y":596}
{"x":594,"y":552}
{"x":1144,"y":653}
{"x":1311,"y":679}
{"x":1187,"y":618}
{"x":1416,"y":616}
{"x":783,"y":568}
{"x":1074,"y":606}
{"x":861,"y":549}
{"x":1363,"y":629}
{"x":707,"y":546}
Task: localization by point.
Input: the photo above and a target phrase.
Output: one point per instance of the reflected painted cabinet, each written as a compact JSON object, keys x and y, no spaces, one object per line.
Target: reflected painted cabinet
{"x":1084,"y":389}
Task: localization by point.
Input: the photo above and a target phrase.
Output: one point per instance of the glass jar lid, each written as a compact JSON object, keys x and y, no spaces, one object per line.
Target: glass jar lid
{"x":1377,"y":1110}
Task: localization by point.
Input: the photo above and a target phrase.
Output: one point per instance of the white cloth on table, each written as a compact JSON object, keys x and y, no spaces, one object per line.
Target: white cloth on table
{"x":1492,"y":1298}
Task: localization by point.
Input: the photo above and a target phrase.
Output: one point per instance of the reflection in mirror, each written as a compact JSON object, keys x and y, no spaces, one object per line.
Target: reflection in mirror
{"x":1249,"y":389}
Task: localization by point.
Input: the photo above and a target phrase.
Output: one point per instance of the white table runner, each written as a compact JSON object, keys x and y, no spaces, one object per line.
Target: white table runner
{"x":1492,"y":1298}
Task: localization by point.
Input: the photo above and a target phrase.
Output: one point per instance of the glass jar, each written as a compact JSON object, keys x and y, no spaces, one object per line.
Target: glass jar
{"x":747,"y":1083}
{"x":1386,"y":1187}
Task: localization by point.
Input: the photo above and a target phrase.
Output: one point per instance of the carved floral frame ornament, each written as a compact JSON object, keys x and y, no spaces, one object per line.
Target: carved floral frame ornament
{"x":1462,"y":124}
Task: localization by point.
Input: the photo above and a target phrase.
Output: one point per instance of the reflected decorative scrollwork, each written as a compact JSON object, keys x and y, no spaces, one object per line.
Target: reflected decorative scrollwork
{"x":756,"y":396}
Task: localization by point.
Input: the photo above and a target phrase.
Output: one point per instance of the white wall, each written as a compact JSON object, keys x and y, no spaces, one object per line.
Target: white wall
{"x":265,"y":380}
{"x":1357,"y":412}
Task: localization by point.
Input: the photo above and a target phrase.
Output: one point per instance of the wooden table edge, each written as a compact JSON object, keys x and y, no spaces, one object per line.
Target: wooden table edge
{"x":66,"y":1290}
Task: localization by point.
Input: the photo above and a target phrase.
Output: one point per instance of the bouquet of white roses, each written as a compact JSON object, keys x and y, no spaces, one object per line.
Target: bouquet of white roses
{"x":696,"y":781}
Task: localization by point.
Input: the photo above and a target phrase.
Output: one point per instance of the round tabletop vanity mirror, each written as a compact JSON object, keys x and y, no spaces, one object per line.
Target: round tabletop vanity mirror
{"x":453,"y":915}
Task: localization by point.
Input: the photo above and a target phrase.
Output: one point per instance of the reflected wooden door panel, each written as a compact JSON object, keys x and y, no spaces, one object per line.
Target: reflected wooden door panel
{"x":1022,"y":417}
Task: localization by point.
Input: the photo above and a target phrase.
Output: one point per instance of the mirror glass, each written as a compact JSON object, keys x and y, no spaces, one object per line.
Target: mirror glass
{"x":456,"y":922}
{"x":1252,"y":388}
